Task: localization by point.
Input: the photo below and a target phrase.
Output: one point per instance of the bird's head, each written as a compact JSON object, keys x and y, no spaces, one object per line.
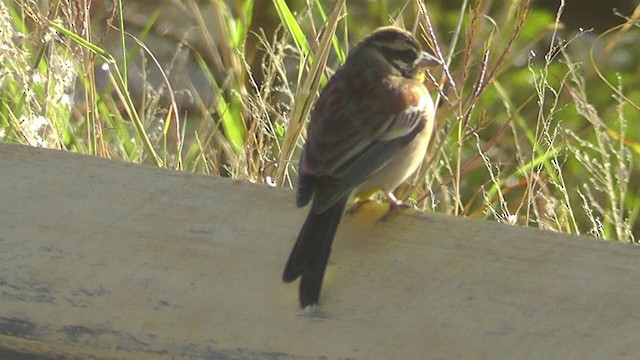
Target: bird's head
{"x":394,"y":51}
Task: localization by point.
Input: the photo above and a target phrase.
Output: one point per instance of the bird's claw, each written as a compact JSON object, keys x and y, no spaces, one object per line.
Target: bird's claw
{"x":395,"y":206}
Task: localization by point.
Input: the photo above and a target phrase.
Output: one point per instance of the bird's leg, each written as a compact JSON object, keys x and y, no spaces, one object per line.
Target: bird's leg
{"x":395,"y":206}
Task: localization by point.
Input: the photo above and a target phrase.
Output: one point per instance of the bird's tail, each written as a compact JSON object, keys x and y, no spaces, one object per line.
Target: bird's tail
{"x":310,"y":253}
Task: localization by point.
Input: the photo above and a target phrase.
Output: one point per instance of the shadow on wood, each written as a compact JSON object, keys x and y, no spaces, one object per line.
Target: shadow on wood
{"x":106,"y":260}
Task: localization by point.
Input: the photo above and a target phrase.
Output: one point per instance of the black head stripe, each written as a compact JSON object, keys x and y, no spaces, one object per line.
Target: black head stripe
{"x":408,"y":56}
{"x":391,"y":34}
{"x":397,"y":46}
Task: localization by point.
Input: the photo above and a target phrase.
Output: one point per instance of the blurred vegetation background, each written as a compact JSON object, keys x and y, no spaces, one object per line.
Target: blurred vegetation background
{"x":538,"y":103}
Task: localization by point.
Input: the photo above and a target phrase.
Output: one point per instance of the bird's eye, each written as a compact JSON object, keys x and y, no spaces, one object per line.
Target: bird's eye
{"x":407,"y":56}
{"x":402,"y":59}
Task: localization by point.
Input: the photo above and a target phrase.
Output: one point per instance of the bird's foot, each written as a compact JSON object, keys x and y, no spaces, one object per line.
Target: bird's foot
{"x":395,"y":206}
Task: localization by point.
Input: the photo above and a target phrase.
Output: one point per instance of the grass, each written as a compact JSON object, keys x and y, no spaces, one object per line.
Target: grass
{"x":535,"y":124}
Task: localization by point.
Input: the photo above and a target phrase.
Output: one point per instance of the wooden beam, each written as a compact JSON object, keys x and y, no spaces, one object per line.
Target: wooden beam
{"x":107,"y":260}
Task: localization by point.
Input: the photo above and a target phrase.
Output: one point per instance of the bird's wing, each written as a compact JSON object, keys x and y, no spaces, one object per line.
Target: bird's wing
{"x":353,"y":154}
{"x":345,"y":122}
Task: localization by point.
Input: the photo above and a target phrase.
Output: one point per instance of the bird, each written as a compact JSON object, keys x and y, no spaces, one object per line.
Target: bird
{"x":368,"y":131}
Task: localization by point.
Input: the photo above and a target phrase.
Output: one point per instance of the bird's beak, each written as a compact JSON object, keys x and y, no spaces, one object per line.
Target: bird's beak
{"x":427,"y":60}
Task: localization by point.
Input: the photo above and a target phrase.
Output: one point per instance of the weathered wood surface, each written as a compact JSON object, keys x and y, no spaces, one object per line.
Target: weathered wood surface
{"x":106,"y":260}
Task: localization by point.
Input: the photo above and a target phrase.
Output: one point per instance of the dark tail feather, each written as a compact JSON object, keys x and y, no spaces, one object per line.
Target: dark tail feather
{"x":310,"y":254}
